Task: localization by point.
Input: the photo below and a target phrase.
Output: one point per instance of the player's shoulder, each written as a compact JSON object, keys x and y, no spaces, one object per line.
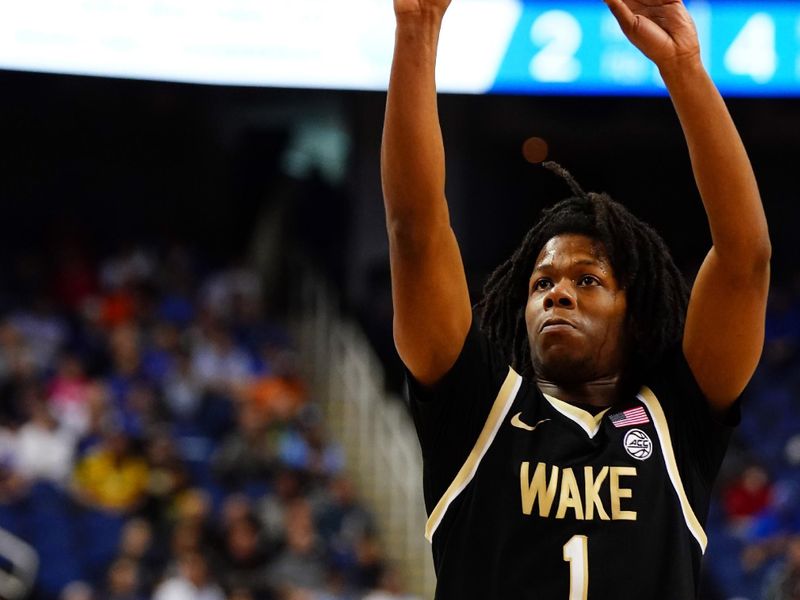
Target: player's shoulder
{"x":479,"y":369}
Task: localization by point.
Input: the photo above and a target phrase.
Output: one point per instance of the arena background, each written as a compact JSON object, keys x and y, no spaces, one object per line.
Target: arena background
{"x":136,"y":211}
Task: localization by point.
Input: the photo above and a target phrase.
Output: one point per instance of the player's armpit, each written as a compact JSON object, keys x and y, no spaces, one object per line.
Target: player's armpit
{"x":724,"y":333}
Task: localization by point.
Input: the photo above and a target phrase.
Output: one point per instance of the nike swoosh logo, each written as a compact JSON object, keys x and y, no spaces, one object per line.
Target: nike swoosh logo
{"x":517,"y":422}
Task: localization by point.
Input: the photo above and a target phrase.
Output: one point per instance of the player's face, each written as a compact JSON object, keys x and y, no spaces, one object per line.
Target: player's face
{"x":575,"y":313}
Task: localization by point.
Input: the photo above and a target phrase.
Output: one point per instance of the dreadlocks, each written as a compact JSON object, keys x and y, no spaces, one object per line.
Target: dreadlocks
{"x":656,"y":292}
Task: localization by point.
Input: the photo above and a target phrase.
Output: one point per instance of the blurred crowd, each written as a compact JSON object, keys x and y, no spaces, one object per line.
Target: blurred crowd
{"x":755,"y":520}
{"x":158,"y":441}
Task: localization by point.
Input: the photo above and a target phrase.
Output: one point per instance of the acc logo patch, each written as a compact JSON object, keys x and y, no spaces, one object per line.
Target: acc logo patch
{"x":638,"y":444}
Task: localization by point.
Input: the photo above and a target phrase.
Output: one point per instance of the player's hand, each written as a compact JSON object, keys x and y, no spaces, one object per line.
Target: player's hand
{"x":662,"y":29}
{"x":420,"y":7}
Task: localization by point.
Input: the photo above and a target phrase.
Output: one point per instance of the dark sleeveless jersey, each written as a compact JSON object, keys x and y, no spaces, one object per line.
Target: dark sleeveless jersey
{"x":531,"y":498}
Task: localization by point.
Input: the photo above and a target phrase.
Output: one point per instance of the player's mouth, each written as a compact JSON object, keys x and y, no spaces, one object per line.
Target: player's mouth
{"x":556,"y":324}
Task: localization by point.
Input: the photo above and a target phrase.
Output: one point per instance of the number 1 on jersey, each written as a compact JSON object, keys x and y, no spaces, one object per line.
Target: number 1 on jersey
{"x":576,"y":554}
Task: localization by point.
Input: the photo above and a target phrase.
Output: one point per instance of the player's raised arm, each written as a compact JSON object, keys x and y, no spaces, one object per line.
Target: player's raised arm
{"x":429,"y":290}
{"x":724,"y":330}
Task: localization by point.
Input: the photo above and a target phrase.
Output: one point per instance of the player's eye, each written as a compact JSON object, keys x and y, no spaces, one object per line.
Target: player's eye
{"x":587,"y":280}
{"x":541,"y":285}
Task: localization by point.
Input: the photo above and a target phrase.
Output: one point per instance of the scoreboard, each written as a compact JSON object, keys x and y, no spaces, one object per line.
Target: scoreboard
{"x":751,"y":47}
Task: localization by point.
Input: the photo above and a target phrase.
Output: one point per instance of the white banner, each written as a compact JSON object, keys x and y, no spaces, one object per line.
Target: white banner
{"x":282,"y":43}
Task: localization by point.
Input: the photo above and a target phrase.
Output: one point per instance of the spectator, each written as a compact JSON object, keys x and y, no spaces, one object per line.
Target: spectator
{"x":194,"y":506}
{"x":112,"y":476}
{"x":138,"y":544}
{"x":369,"y":563}
{"x":783,"y":583}
{"x":271,"y":508}
{"x":769,"y":530}
{"x":237,"y":285}
{"x":167,"y":475}
{"x":248,"y":454}
{"x":125,"y":346}
{"x":17,"y":372}
{"x":301,"y":564}
{"x":68,"y":394}
{"x":342,"y":521}
{"x":131,"y":265}
{"x":246,"y":556}
{"x":99,"y":413}
{"x":175,"y":277}
{"x":276,"y":397}
{"x":781,"y":516}
{"x":123,"y":581}
{"x":45,"y":450}
{"x":159,"y":355}
{"x":307,"y":449}
{"x":183,"y":392}
{"x":188,"y":536}
{"x":192,"y":582}
{"x":42,"y":329}
{"x":218,"y":363}
{"x":746,"y":496}
{"x":77,"y":590}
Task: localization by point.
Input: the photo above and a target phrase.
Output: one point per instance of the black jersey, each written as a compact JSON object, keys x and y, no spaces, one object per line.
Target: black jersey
{"x":532,"y":498}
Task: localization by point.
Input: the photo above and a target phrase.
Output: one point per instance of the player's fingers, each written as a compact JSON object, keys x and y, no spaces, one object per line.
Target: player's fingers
{"x":624,"y":15}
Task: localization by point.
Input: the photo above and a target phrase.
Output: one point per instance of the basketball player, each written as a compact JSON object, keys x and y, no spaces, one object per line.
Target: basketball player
{"x":572,"y":426}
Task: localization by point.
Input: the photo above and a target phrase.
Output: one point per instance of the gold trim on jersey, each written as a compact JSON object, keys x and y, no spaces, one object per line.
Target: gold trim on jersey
{"x":588,"y":422}
{"x":649,"y":399}
{"x":497,"y":414}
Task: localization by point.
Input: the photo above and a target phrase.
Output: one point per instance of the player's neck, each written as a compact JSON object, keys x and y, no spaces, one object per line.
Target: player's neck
{"x":599,"y":392}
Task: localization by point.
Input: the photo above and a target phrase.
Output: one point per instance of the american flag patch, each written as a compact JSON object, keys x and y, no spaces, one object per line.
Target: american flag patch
{"x":632,"y":416}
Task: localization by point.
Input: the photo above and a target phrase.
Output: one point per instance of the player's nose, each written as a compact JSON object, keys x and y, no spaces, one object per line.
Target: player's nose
{"x":561,"y":295}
